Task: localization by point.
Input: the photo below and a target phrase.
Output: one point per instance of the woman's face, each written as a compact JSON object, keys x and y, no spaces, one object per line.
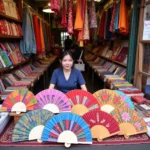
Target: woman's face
{"x":67,"y":62}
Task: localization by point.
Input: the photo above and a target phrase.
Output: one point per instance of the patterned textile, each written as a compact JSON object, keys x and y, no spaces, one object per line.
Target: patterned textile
{"x":55,"y":5}
{"x":64,"y":17}
{"x":113,"y":18}
{"x":123,"y":19}
{"x":102,"y":25}
{"x":86,"y":35}
{"x":78,"y":21}
{"x":117,"y":17}
{"x":93,"y":20}
{"x":70,"y":18}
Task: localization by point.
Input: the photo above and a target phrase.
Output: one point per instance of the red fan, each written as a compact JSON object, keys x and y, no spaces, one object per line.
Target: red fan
{"x":82,"y":102}
{"x":102,"y":124}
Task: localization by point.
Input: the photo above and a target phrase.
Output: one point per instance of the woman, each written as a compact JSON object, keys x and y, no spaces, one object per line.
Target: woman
{"x":67,"y":77}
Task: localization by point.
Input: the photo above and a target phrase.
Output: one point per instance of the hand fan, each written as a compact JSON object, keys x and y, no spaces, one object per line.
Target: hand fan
{"x":127,"y":100}
{"x":109,"y":100}
{"x":82,"y":102}
{"x":53,"y":100}
{"x":67,"y":128}
{"x":30,"y":126}
{"x":19,"y":101}
{"x":130,"y":121}
{"x":102,"y":124}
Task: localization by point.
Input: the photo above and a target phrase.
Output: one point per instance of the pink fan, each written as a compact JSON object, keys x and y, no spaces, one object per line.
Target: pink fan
{"x":53,"y":100}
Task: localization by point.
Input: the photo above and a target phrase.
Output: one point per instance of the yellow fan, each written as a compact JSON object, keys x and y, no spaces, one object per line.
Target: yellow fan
{"x":109,"y":100}
{"x":130,"y":121}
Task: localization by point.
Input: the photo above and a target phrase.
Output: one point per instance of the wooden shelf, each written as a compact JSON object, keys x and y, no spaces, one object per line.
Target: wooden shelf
{"x":145,"y":41}
{"x":3,"y":16}
{"x":12,"y":67}
{"x":10,"y":37}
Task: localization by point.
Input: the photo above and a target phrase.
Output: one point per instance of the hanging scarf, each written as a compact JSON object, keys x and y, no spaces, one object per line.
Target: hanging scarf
{"x":55,"y":5}
{"x":117,"y":17}
{"x":78,"y":21}
{"x":123,"y":19}
{"x":113,"y":18}
{"x":102,"y":25}
{"x":70,"y":18}
{"x":64,"y":17}
{"x":86,"y":35}
{"x":42,"y":37}
{"x":93,"y":20}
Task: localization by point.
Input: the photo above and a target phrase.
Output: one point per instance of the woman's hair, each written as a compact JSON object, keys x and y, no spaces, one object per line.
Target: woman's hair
{"x":65,"y":53}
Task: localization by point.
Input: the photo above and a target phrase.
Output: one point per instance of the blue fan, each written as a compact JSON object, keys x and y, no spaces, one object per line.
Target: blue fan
{"x":127,"y":99}
{"x":31,"y":125}
{"x":67,"y":128}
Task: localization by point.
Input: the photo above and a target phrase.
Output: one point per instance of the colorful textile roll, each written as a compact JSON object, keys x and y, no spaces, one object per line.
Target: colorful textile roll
{"x":55,"y":5}
{"x":70,"y":18}
{"x":64,"y":17}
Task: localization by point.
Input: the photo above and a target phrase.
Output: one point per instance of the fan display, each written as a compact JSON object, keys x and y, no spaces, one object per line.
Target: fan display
{"x":82,"y":102}
{"x":30,"y":126}
{"x":102,"y":124}
{"x":130,"y":122}
{"x":126,"y":99}
{"x":67,"y":128}
{"x":53,"y":100}
{"x":109,"y":100}
{"x":19,"y":101}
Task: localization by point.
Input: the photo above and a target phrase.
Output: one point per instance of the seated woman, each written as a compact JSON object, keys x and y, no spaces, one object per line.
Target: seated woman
{"x":67,"y":77}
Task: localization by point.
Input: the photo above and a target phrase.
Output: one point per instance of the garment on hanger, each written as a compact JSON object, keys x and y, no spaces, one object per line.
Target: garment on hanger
{"x":117,"y":17}
{"x":37,"y":34}
{"x":28,"y":43}
{"x":86,"y":35}
{"x":55,"y":5}
{"x":78,"y":21}
{"x":70,"y":18}
{"x":64,"y":17}
{"x":93,"y":19}
{"x":42,"y":36}
{"x":123,"y":19}
{"x":113,"y":18}
{"x":102,"y":25}
{"x":108,"y":21}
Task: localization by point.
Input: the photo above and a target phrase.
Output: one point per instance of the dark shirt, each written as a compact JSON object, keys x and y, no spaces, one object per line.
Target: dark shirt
{"x":68,"y":43}
{"x":75,"y":80}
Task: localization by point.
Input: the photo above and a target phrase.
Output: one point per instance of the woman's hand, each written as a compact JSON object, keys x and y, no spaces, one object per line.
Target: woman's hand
{"x":83,"y":87}
{"x":51,"y":86}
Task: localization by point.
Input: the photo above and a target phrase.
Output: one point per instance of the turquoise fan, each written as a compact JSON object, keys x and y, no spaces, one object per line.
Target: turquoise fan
{"x":31,"y":125}
{"x":67,"y":128}
{"x":126,"y":99}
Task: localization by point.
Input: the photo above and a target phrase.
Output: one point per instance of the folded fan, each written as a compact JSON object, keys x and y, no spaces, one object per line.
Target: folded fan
{"x":67,"y":128}
{"x":102,"y":124}
{"x":53,"y":100}
{"x":19,"y":101}
{"x":31,"y":125}
{"x":82,"y":102}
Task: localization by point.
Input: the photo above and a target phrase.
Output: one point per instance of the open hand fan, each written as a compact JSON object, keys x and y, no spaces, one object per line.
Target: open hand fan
{"x":126,"y":99}
{"x":108,"y":100}
{"x":30,"y":126}
{"x":82,"y":102}
{"x":53,"y":100}
{"x":19,"y":101}
{"x":102,"y":124}
{"x":67,"y":128}
{"x":130,"y":121}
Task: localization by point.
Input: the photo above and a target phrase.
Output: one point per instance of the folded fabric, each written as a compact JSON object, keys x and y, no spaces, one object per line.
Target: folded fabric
{"x":139,"y":99}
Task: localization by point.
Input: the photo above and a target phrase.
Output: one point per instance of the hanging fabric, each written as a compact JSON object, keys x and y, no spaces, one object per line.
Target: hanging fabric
{"x":86,"y":35}
{"x":37,"y":34}
{"x":64,"y":17}
{"x":93,"y":20}
{"x":113,"y":18}
{"x":28,"y":43}
{"x":70,"y":18}
{"x":78,"y":21}
{"x":55,"y":5}
{"x":42,"y":37}
{"x":117,"y":17}
{"x":108,"y":21}
{"x":123,"y":19}
{"x":102,"y":25}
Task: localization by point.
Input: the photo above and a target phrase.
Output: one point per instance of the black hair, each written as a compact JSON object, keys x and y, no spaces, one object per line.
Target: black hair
{"x":65,"y":53}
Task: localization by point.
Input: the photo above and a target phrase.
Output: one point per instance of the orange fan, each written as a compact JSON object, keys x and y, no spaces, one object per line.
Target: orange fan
{"x":102,"y":124}
{"x":109,"y":100}
{"x":130,"y":121}
{"x":19,"y":101}
{"x":82,"y":102}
